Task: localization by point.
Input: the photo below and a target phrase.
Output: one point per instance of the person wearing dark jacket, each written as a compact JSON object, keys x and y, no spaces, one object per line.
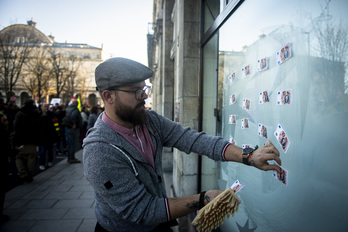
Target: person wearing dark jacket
{"x":49,"y":137}
{"x":92,"y":117}
{"x":6,"y":152}
{"x":62,"y":143}
{"x":73,"y":131}
{"x":26,"y":139}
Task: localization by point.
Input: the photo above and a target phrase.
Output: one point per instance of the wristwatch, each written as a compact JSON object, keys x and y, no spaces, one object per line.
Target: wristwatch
{"x":247,"y":152}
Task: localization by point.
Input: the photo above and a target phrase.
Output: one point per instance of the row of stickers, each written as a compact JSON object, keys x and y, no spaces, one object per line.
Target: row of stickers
{"x":279,"y":133}
{"x":263,"y":64}
{"x":284,"y":97}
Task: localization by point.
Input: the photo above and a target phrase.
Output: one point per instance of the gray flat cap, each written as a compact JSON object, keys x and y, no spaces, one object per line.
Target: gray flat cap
{"x":120,"y":72}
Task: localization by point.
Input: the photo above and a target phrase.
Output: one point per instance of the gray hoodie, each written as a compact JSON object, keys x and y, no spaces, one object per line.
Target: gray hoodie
{"x":130,"y":194}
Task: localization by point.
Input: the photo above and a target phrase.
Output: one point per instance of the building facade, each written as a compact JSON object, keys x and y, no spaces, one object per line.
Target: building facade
{"x":50,"y":69}
{"x":252,"y":71}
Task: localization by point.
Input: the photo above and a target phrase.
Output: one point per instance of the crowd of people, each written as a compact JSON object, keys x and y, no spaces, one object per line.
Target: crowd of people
{"x":33,"y":134}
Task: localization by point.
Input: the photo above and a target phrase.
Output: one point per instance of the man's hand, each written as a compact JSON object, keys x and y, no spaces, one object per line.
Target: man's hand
{"x":259,"y":158}
{"x":211,"y":195}
{"x":182,"y":206}
{"x":263,"y":154}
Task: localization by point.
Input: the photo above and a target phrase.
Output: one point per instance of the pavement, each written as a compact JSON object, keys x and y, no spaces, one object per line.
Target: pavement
{"x":59,"y":199}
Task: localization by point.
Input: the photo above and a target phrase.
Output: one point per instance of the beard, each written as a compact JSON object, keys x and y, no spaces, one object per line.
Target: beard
{"x":135,"y":116}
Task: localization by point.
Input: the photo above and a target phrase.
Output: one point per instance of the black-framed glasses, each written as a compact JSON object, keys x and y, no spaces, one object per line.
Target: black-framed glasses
{"x":139,"y":93}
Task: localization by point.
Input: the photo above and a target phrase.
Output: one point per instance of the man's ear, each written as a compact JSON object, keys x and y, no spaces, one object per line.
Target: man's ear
{"x":108,"y":96}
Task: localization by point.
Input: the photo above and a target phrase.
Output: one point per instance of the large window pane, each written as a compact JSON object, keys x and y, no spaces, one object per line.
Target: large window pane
{"x":296,"y":54}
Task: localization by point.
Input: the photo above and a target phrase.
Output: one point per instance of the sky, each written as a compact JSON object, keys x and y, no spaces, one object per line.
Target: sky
{"x":119,"y":26}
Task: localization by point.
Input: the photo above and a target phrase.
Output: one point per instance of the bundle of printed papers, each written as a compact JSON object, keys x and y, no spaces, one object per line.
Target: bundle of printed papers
{"x":213,"y":214}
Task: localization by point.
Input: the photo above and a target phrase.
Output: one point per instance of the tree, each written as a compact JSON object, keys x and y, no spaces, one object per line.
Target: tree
{"x":332,"y":44}
{"x":85,"y":81}
{"x":39,"y":68}
{"x":14,"y":52}
{"x":58,"y":64}
{"x":332,"y":38}
{"x":72,"y":68}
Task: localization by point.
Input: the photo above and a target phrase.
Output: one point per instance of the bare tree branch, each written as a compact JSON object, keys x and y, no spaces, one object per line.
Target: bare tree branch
{"x":39,"y":68}
{"x":14,"y":52}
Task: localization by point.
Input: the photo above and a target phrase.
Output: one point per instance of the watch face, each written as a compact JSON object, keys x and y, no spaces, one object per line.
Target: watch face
{"x":247,"y":150}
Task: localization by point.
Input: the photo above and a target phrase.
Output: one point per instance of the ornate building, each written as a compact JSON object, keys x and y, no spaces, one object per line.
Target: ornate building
{"x":33,"y":65}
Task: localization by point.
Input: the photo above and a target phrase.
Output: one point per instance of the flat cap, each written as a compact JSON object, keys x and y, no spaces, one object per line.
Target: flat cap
{"x":119,"y":72}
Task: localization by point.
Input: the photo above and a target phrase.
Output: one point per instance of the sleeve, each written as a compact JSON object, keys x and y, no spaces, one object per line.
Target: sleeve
{"x":188,"y":140}
{"x":114,"y":181}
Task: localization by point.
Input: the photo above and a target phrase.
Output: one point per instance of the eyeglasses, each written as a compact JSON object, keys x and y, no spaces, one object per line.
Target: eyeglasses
{"x":139,"y":93}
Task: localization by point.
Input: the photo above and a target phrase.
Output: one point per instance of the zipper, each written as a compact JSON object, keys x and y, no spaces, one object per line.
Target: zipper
{"x":155,"y":143}
{"x":141,"y":143}
{"x":134,"y":169}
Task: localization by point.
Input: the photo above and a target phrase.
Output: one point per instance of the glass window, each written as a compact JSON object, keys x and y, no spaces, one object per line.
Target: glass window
{"x":211,"y":109}
{"x":212,"y":9}
{"x":282,"y":77}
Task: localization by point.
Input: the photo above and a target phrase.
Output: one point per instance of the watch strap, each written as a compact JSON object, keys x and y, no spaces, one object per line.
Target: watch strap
{"x":201,"y":199}
{"x":246,"y":159}
{"x":246,"y":153}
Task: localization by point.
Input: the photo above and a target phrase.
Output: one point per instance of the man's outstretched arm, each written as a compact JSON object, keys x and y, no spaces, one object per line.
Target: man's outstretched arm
{"x":258,"y":158}
{"x":182,"y":206}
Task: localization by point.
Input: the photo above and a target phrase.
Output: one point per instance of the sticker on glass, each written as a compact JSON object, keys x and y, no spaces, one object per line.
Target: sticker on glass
{"x":283,"y":54}
{"x":232,"y":77}
{"x":284,"y":97}
{"x":282,"y":138}
{"x":236,"y":186}
{"x":262,"y":129}
{"x":262,"y":64}
{"x":246,"y":146}
{"x":232,"y":119}
{"x":263,"y":97}
{"x":246,"y":104}
{"x":246,"y":71}
{"x":282,"y":176}
{"x":245,"y":123}
{"x":232,"y":99}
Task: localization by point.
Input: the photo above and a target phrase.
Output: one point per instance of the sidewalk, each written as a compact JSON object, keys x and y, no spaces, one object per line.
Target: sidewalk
{"x":60,"y":199}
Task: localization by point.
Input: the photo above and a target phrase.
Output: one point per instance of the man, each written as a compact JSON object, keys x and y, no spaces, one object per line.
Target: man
{"x":6,"y":155}
{"x":123,"y":154}
{"x":92,"y":117}
{"x":49,"y":137}
{"x":62,"y":143}
{"x":26,"y":139}
{"x":73,"y":123}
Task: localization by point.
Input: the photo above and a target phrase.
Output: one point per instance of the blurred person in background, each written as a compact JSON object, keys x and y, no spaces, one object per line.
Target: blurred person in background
{"x":62,"y":143}
{"x":2,"y":106}
{"x":92,"y":117}
{"x":26,"y":139}
{"x":49,"y":136}
{"x":11,"y":111}
{"x":100,"y":110}
{"x":6,"y":153}
{"x":84,"y":115}
{"x":73,"y":123}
